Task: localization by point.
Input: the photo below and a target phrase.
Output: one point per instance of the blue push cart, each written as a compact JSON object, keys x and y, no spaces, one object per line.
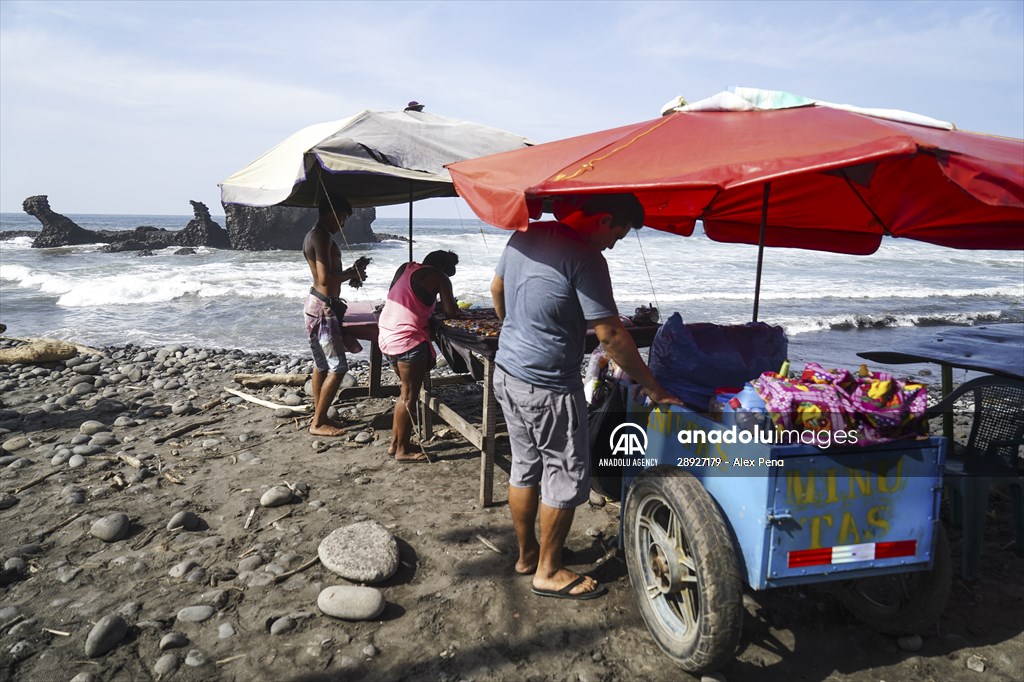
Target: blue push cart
{"x":702,"y":516}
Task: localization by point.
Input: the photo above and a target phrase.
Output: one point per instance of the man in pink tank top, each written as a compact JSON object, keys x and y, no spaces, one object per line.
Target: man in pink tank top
{"x":404,"y":336}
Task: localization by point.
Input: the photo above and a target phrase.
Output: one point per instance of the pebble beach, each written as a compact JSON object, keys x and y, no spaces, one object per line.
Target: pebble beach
{"x":158,"y":526}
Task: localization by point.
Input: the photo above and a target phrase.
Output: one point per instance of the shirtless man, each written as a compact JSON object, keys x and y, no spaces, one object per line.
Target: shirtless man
{"x":323,"y":323}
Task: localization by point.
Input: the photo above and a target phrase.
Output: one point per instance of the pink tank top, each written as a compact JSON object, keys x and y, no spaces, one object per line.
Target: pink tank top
{"x":405,"y":321}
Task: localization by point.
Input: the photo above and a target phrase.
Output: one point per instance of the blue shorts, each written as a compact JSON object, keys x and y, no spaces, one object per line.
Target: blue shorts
{"x":549,"y":435}
{"x":325,"y":340}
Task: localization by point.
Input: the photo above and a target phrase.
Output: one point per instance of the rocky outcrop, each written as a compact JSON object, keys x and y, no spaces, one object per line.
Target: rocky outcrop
{"x":202,"y":230}
{"x":59,"y":230}
{"x":254,"y":228}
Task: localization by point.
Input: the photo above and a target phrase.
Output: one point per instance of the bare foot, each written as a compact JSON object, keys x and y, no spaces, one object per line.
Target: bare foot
{"x":562,"y":578}
{"x":326,"y":430}
{"x":391,"y":450}
{"x":411,"y":457}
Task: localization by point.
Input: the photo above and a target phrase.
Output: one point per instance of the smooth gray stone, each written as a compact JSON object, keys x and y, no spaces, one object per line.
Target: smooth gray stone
{"x":16,"y":563}
{"x":86,"y":450}
{"x":196,"y":614}
{"x":351,"y":602}
{"x":79,"y":439}
{"x":21,"y":650}
{"x":7,"y":500}
{"x":103,"y":439}
{"x":250,"y":563}
{"x":167,"y":664}
{"x":105,"y":635}
{"x":83,"y":388}
{"x":173,"y":640}
{"x":362,"y":552}
{"x":363,"y":437}
{"x":60,"y":458}
{"x":276,"y":496}
{"x":91,"y":368}
{"x":92,"y":427}
{"x":66,"y":574}
{"x":85,"y":677}
{"x":195,"y":658}
{"x":282,"y":625}
{"x":20,"y":463}
{"x":16,"y":443}
{"x":225,"y":630}
{"x":111,"y":528}
{"x":125,"y":421}
{"x":185,"y":520}
{"x":181,"y":569}
{"x":76,"y":462}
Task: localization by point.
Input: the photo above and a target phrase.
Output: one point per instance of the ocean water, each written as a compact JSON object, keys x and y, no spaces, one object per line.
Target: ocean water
{"x":831,"y":306}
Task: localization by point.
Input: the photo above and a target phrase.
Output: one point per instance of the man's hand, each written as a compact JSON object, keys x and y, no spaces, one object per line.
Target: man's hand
{"x":359,"y":271}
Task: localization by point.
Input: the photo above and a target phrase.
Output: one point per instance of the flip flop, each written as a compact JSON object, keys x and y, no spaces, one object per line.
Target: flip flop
{"x":564,"y":593}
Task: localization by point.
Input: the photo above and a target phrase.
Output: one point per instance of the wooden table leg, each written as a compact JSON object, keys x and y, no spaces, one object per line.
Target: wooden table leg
{"x":947,"y":418}
{"x":424,"y":415}
{"x":490,"y":419}
{"x":376,"y":361}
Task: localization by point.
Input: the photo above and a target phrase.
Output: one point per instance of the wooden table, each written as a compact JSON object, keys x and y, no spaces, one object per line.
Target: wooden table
{"x":484,"y":437}
{"x":361,"y":322}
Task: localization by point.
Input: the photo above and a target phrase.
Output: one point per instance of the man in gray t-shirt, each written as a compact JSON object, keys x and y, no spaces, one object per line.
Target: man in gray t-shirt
{"x":550,"y":284}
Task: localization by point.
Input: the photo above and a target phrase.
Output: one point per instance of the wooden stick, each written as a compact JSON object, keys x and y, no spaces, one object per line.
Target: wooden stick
{"x":488,"y":544}
{"x":300,"y":569}
{"x":229,"y":659}
{"x":266,"y":403}
{"x":172,"y":479}
{"x":249,"y":520}
{"x":59,"y":525}
{"x":133,"y":462}
{"x":279,"y":518}
{"x":57,"y":632}
{"x":181,"y":430}
{"x":261,"y":380}
{"x":212,"y":403}
{"x":35,"y":481}
{"x":142,"y":542}
{"x":11,"y":623}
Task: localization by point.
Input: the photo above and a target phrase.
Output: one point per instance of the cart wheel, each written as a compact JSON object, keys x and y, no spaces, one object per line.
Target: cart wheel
{"x":683,"y":568}
{"x":902,"y":603}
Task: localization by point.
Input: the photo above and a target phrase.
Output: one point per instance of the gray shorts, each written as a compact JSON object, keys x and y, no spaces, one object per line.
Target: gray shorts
{"x":549,"y":435}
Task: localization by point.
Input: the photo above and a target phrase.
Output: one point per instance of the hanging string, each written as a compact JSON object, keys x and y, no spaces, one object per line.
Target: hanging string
{"x":643,"y":257}
{"x":327,"y":195}
{"x":479,"y":223}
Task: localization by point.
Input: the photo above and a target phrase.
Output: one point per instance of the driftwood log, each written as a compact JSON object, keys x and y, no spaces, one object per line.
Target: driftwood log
{"x":266,"y":403}
{"x":263,"y":380}
{"x":37,"y":351}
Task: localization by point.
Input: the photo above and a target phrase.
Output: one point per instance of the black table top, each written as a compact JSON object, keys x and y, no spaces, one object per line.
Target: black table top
{"x":993,"y":349}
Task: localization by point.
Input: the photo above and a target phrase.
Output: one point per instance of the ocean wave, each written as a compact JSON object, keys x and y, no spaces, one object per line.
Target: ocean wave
{"x":856,"y":322}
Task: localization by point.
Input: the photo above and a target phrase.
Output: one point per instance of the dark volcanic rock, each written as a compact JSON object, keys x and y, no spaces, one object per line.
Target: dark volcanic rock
{"x":253,"y":228}
{"x":202,"y":231}
{"x":57,"y":230}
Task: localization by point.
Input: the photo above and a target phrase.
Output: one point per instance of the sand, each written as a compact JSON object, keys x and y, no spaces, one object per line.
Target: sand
{"x":455,"y":610}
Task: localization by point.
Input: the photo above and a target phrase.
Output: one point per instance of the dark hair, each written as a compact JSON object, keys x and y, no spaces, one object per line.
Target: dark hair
{"x":625,"y":209}
{"x":445,"y":261}
{"x":335,"y":203}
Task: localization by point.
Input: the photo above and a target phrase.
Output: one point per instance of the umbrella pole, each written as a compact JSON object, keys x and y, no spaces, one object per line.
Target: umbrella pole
{"x":760,"y":247}
{"x":410,"y":222}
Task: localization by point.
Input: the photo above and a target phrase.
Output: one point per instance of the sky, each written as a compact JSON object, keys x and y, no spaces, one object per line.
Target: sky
{"x":139,"y":107}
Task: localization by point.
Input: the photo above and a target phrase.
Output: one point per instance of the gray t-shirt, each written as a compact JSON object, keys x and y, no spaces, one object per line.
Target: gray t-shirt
{"x":554,"y":283}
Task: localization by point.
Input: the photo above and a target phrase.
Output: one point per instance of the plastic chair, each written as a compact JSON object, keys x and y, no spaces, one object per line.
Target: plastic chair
{"x":993,"y":455}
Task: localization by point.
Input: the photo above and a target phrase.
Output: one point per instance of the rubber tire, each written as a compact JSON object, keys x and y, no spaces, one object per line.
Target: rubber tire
{"x":929,"y":593}
{"x":713,"y":643}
